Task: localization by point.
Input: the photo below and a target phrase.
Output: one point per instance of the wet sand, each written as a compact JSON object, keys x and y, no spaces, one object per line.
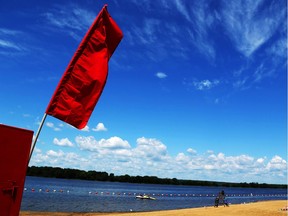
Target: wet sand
{"x":267,"y":208}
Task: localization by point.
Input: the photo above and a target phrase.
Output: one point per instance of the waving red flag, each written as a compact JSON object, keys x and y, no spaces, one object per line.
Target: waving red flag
{"x":84,"y":79}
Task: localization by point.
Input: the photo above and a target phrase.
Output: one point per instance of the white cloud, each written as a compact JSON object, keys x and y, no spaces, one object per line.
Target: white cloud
{"x":157,"y":38}
{"x":146,"y":34}
{"x":52,"y":153}
{"x":63,"y":142}
{"x":4,"y":31}
{"x":150,"y":27}
{"x":241,"y":83}
{"x":91,"y":144}
{"x":51,"y":125}
{"x":114,"y":143}
{"x":279,"y":48}
{"x":277,"y":163}
{"x":86,"y":143}
{"x":100,"y":127}
{"x":191,"y":151}
{"x":86,"y":129}
{"x":72,"y":19}
{"x":12,"y":42}
{"x":150,"y":148}
{"x":9,"y":44}
{"x":180,"y":6}
{"x":205,"y":84}
{"x":181,"y":157}
{"x":161,"y":75}
{"x":209,"y":167}
{"x":150,"y":157}
{"x":260,"y":160}
{"x":59,"y":159}
{"x":210,"y":152}
{"x":203,"y":20}
{"x":249,"y":29}
{"x":37,"y":150}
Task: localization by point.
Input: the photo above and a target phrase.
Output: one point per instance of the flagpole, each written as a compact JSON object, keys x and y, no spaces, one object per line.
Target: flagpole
{"x":37,"y":135}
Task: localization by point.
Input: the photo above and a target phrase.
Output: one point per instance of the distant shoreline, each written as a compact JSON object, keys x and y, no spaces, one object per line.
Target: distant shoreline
{"x":67,"y":173}
{"x":271,"y":208}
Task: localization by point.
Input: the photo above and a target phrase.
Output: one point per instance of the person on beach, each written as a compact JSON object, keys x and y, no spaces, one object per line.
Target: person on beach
{"x":226,"y":203}
{"x":216,"y":203}
{"x":222,"y":197}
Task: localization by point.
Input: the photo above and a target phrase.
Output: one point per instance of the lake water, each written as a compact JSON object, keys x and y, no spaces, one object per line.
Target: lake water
{"x":56,"y":195}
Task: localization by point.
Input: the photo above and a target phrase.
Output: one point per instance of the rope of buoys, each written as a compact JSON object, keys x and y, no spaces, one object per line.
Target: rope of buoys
{"x":108,"y":193}
{"x":47,"y":190}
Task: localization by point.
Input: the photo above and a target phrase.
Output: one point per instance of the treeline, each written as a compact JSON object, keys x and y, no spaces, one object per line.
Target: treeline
{"x":67,"y":173}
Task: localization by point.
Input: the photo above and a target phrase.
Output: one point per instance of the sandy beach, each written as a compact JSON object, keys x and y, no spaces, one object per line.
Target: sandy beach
{"x":267,"y":208}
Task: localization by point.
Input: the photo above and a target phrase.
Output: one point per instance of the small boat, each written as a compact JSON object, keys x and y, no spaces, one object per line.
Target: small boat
{"x":145,"y":197}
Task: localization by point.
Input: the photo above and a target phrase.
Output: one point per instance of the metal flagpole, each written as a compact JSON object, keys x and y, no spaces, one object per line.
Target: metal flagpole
{"x":37,"y":135}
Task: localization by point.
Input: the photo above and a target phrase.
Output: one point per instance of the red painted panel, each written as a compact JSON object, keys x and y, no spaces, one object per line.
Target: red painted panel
{"x":15,"y":144}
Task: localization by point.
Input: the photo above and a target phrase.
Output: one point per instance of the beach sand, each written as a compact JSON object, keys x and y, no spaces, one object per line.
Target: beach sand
{"x":267,"y":208}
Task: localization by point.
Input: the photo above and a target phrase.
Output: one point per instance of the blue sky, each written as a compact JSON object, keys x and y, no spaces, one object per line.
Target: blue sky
{"x":196,"y":89}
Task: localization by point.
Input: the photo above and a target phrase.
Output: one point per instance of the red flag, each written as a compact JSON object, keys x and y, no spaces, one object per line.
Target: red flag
{"x":84,"y":79}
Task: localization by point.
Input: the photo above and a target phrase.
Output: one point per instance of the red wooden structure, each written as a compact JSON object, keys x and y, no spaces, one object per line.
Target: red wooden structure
{"x":15,"y":144}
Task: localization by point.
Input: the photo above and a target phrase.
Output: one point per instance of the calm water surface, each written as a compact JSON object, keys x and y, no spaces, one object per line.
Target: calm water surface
{"x":47,"y":194}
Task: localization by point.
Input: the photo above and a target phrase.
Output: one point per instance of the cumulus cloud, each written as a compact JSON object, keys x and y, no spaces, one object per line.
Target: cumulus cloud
{"x":52,"y":153}
{"x":191,"y":151}
{"x":210,"y":152}
{"x":150,"y":148}
{"x":51,"y":125}
{"x":260,"y":160}
{"x":63,"y":142}
{"x":86,"y":129}
{"x":100,"y":127}
{"x":150,"y":157}
{"x":181,"y":157}
{"x":86,"y":143}
{"x":37,"y":150}
{"x":59,"y":159}
{"x":91,"y":144}
{"x":114,"y":143}
{"x":277,"y":163}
